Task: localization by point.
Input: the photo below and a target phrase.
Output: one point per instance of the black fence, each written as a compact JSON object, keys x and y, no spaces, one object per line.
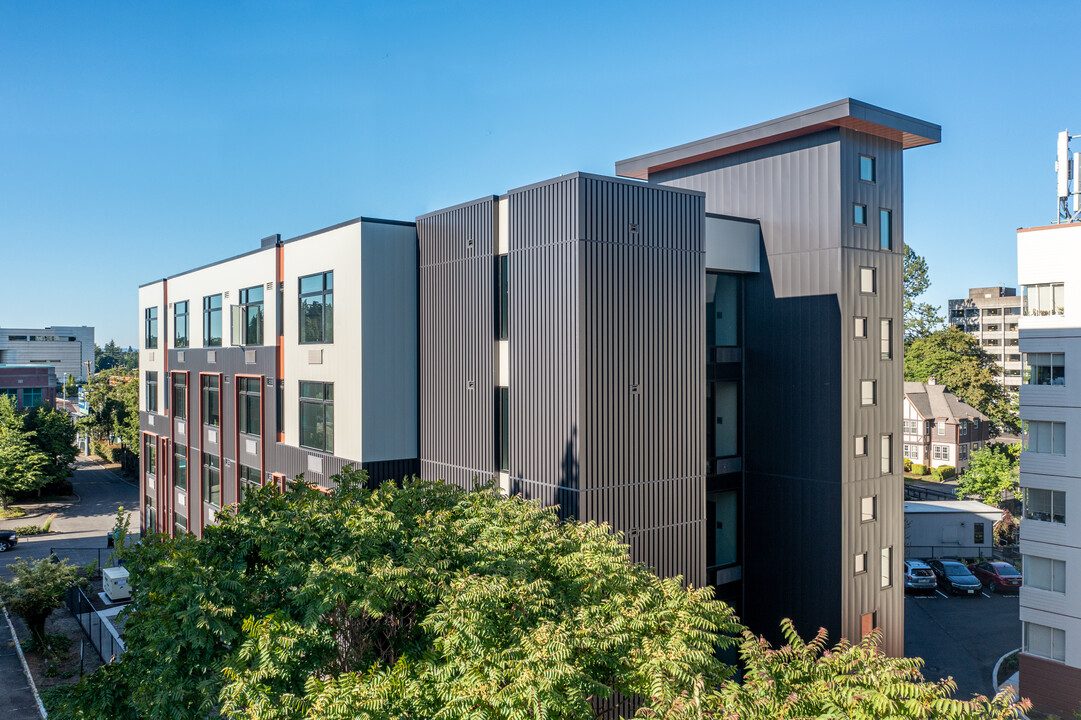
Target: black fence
{"x":970,"y":553}
{"x":101,"y":633}
{"x":85,"y":556}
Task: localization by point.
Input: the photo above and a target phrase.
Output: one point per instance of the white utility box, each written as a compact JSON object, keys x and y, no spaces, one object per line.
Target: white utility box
{"x":115,"y":582}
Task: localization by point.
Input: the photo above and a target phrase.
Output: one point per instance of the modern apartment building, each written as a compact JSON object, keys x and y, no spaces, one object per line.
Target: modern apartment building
{"x":66,"y":349}
{"x":1049,"y":270}
{"x":709,"y":361}
{"x":939,"y":429}
{"x":991,"y":315}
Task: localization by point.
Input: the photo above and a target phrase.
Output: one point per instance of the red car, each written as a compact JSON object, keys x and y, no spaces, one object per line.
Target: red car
{"x":997,"y":576}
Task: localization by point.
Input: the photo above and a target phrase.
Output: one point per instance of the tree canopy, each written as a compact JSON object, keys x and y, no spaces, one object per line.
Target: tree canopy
{"x":54,"y":435}
{"x":957,"y":362}
{"x":423,"y":600}
{"x":112,"y":397}
{"x":921,"y":319}
{"x":992,"y":472}
{"x":23,"y":465}
{"x":36,"y":589}
{"x":113,"y":357}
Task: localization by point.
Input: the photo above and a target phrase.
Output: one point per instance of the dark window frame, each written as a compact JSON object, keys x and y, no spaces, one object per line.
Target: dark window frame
{"x":150,"y":328}
{"x":180,"y":479}
{"x":181,"y":324}
{"x":502,"y":427}
{"x":885,"y":229}
{"x":211,"y":479}
{"x":246,"y":399}
{"x":179,"y":399}
{"x":326,"y":407}
{"x":502,"y":297}
{"x":152,"y":391}
{"x":210,"y":312}
{"x":249,"y":479}
{"x":243,"y":331}
{"x":325,"y":336}
{"x":874,"y":169}
{"x":859,"y":214}
{"x":210,"y":399}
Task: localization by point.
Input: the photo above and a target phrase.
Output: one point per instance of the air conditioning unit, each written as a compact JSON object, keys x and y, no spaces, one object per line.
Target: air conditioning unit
{"x":115,"y":582}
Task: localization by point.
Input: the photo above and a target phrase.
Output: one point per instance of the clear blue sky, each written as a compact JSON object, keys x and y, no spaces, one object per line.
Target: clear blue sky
{"x":140,"y":139}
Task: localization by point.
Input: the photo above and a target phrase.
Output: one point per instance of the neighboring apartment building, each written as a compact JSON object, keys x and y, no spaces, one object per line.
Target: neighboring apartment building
{"x":66,"y":349}
{"x":939,"y":429}
{"x":29,"y":385}
{"x":991,"y":315}
{"x":1049,"y":269}
{"x":709,"y":361}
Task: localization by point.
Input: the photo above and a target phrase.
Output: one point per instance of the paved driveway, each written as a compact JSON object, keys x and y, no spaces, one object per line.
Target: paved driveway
{"x":962,"y":636}
{"x":80,"y":527}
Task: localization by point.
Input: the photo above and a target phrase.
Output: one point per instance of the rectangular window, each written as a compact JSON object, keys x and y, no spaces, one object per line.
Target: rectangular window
{"x":861,"y":445}
{"x":1043,"y":300}
{"x":150,"y":454}
{"x":180,"y":467}
{"x":1045,"y":369}
{"x":941,"y":427}
{"x":211,"y":480}
{"x":867,"y":280}
{"x":249,"y":480}
{"x":1044,"y":641}
{"x":180,"y":324}
{"x":886,"y":340}
{"x":317,"y":308}
{"x":962,"y":428}
{"x":867,"y":168}
{"x":180,"y":395}
{"x":859,"y":564}
{"x":887,"y":454}
{"x":247,"y":317}
{"x":502,"y":298}
{"x":867,"y":392}
{"x":1045,"y":505}
{"x":248,"y":405}
{"x":722,"y":528}
{"x":151,"y":514}
{"x":860,"y":329}
{"x":977,"y":533}
{"x":940,"y":452}
{"x":885,"y":225}
{"x":868,"y":511}
{"x":151,"y":391}
{"x":502,"y":442}
{"x":180,"y":523}
{"x":1045,"y":573}
{"x":1044,"y":437}
{"x":962,"y":452}
{"x":859,"y":214}
{"x":212,"y":321}
{"x":722,"y":310}
{"x":279,"y":407}
{"x":211,"y":400}
{"x":886,"y":568}
{"x":317,"y":416}
{"x":150,"y":328}
{"x":32,"y":398}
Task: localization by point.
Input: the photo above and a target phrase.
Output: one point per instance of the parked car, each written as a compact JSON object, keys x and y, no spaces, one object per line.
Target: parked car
{"x":918,"y":576}
{"x":997,"y":576}
{"x":954,"y":577}
{"x":8,"y":540}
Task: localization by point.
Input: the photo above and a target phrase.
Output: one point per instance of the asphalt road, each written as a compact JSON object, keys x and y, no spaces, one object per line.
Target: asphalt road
{"x":962,"y":637}
{"x":80,"y":527}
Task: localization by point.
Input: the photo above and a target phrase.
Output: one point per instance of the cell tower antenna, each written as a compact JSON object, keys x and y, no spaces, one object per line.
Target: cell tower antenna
{"x":1068,"y":176}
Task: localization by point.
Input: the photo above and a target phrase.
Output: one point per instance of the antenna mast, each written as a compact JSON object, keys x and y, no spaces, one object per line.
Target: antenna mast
{"x":1068,"y":171}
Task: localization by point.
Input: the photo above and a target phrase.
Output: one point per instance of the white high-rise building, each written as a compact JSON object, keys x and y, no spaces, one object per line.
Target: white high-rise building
{"x":1049,"y":271}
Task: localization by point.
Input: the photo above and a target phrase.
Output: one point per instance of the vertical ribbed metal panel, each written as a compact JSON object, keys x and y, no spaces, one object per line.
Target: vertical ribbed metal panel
{"x":457,"y":343}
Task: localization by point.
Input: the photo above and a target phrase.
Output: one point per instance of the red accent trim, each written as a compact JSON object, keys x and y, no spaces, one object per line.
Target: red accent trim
{"x":262,"y":431}
{"x":202,"y":511}
{"x":280,"y":357}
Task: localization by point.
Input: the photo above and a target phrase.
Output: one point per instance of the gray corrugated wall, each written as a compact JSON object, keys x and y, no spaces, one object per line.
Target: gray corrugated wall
{"x":457,"y":343}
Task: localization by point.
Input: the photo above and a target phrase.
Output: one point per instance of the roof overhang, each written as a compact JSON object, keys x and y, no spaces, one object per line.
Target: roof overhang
{"x":910,"y":132}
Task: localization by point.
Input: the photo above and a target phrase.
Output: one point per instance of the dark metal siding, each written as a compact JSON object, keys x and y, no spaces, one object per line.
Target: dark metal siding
{"x":457,"y":343}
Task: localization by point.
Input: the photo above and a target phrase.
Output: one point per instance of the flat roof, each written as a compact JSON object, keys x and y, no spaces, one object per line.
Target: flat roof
{"x":1056,"y":226}
{"x":949,"y":506}
{"x":853,"y":114}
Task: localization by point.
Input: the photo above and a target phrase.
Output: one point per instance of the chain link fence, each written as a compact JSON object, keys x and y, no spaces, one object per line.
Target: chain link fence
{"x":100,"y":631}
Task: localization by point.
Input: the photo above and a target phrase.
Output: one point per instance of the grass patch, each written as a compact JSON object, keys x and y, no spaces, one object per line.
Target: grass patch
{"x":11,"y":513}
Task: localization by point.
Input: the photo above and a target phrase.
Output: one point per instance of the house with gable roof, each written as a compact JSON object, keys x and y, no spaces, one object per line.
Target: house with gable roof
{"x":939,"y":429}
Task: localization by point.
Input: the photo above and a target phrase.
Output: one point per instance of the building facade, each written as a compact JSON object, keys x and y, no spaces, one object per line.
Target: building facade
{"x":708,"y":361}
{"x":66,"y":349}
{"x":991,"y":315}
{"x":29,"y":386}
{"x":949,"y":528}
{"x":939,"y":429}
{"x":1049,"y":270}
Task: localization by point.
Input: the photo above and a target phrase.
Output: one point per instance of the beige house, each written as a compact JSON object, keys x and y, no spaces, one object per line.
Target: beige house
{"x":939,"y":429}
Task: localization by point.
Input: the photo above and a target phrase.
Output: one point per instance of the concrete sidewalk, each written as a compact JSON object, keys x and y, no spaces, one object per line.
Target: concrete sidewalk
{"x":16,"y":698}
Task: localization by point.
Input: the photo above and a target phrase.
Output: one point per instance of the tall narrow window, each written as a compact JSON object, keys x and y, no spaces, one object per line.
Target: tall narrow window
{"x":317,"y":308}
{"x":211,"y":399}
{"x":887,"y":568}
{"x":317,"y":416}
{"x":887,"y":454}
{"x":249,"y":481}
{"x":150,"y":328}
{"x":180,"y":395}
{"x":180,"y":324}
{"x":502,"y":298}
{"x":859,"y":564}
{"x":867,"y":280}
{"x":211,"y":479}
{"x":151,"y":391}
{"x":248,"y":405}
{"x":867,"y":168}
{"x":867,"y":392}
{"x":212,"y":321}
{"x":247,"y":317}
{"x":722,"y":310}
{"x":180,"y":523}
{"x":150,"y":455}
{"x":860,"y":329}
{"x":861,"y":445}
{"x":502,"y":444}
{"x":886,"y":339}
{"x":859,"y":214}
{"x":180,"y":467}
{"x":885,"y":225}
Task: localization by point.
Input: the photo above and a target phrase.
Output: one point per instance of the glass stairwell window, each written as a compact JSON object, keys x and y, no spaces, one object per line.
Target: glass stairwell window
{"x":722,"y":310}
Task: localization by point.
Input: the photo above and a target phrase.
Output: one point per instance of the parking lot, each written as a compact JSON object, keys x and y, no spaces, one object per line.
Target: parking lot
{"x":962,"y":636}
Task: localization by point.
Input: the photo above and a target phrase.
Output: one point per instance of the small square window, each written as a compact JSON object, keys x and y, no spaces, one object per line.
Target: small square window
{"x":859,"y":214}
{"x":861,"y":327}
{"x":867,"y":280}
{"x":861,"y":445}
{"x":860,"y":564}
{"x":867,"y":168}
{"x":867,"y":392}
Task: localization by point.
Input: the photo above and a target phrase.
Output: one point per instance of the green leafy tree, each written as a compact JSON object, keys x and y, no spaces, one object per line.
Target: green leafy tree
{"x":957,"y":362}
{"x":36,"y":590}
{"x":23,"y":466}
{"x":54,"y":435}
{"x":921,"y":319}
{"x":991,"y":474}
{"x":113,"y":403}
{"x":71,"y":389}
{"x":419,"y":600}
